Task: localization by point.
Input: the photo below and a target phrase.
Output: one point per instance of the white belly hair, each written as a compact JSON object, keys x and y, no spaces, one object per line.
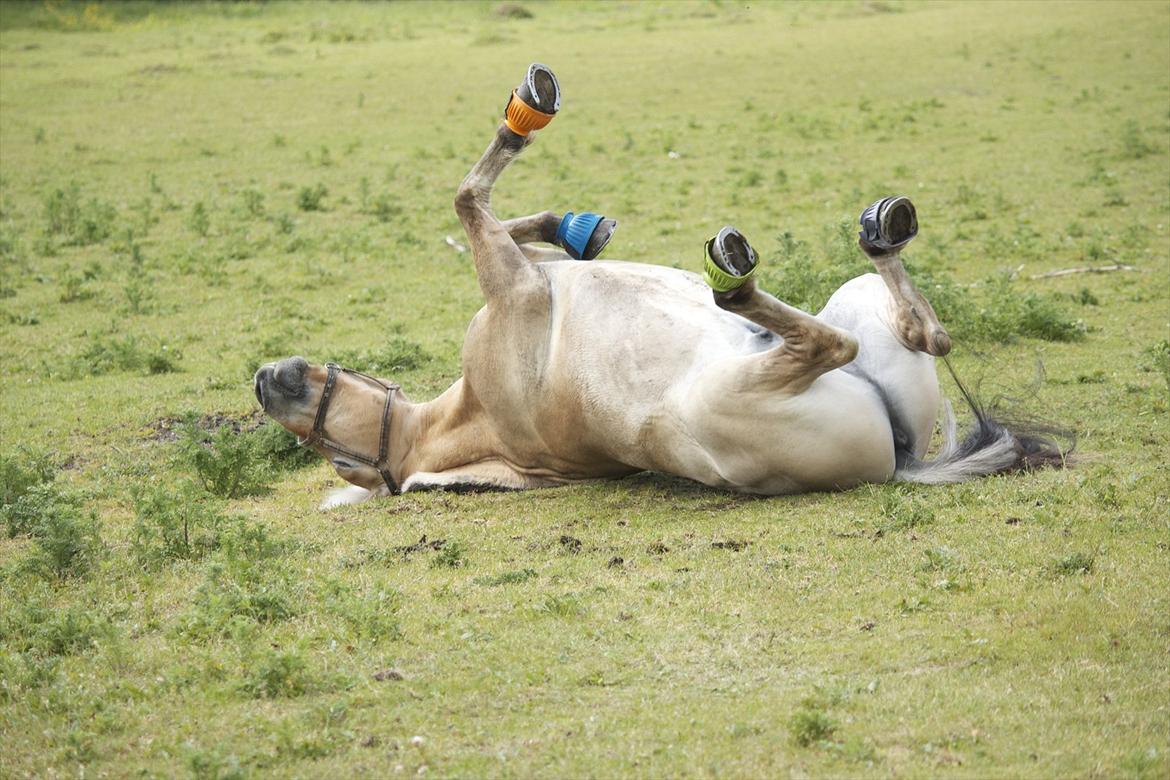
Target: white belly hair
{"x":650,"y":358}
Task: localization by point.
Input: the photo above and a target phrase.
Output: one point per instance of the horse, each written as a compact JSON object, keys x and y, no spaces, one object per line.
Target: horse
{"x":579,"y":369}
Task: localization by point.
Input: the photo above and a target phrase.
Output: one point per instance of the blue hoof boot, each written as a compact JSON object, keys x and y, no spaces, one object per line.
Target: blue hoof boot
{"x":584,"y":235}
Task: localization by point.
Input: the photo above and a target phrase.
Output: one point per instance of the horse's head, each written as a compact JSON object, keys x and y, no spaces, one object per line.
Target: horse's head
{"x":344,"y":415}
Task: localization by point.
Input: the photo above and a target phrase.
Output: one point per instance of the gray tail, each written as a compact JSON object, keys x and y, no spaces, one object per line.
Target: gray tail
{"x":992,"y":446}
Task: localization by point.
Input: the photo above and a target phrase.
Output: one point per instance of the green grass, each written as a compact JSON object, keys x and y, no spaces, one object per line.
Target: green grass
{"x":189,"y":190}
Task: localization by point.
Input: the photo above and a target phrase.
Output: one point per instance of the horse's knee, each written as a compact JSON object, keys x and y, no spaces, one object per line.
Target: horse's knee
{"x":466,"y":199}
{"x":826,"y":348}
{"x":846,"y":348}
{"x":549,"y":222}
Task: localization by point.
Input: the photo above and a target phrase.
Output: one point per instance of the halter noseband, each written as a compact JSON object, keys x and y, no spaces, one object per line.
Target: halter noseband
{"x":317,"y":436}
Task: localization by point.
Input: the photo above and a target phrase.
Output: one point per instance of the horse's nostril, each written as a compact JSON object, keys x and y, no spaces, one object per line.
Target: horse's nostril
{"x":258,"y":382}
{"x":290,"y":373}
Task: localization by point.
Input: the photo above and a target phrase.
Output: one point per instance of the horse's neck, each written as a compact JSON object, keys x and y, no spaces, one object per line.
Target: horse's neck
{"x":442,"y":434}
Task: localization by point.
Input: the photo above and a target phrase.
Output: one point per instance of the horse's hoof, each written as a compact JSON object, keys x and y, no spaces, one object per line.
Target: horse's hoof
{"x":730,"y":261}
{"x":584,"y":235}
{"x":535,"y":102}
{"x":888,"y":225}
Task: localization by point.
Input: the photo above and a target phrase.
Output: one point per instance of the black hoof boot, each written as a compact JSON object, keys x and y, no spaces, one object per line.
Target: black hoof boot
{"x":601,"y":236}
{"x":888,"y":225}
{"x":540,"y":89}
{"x":730,"y":261}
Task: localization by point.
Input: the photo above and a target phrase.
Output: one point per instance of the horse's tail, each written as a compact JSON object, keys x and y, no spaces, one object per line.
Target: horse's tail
{"x":993,"y":446}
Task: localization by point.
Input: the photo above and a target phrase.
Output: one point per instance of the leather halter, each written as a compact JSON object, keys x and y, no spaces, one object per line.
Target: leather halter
{"x":317,"y":436}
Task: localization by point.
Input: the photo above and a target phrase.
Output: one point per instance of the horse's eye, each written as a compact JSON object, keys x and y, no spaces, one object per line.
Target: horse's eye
{"x":342,"y":463}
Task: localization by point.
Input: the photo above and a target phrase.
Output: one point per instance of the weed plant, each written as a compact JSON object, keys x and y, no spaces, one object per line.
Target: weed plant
{"x":77,"y":223}
{"x":225,"y":460}
{"x":66,"y":538}
{"x":107,"y":354}
{"x":175,"y":522}
{"x":21,"y":470}
{"x":311,"y":198}
{"x":395,"y":355}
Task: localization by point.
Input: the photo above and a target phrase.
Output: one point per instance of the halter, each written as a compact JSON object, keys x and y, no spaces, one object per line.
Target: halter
{"x":317,"y":436}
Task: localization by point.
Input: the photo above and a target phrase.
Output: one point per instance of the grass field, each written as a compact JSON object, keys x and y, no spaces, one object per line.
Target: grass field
{"x":188,"y":190}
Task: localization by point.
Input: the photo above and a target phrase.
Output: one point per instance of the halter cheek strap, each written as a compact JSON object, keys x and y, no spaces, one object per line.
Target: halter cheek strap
{"x":317,"y":436}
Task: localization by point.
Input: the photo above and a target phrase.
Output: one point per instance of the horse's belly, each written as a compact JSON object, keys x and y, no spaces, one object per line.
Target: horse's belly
{"x":623,"y":338}
{"x":833,"y":435}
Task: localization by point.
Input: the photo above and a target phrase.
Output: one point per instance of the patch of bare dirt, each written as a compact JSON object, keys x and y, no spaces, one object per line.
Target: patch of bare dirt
{"x":167,"y":428}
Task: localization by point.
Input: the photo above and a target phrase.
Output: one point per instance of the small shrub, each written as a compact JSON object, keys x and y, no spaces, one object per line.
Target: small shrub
{"x":1086,"y":297}
{"x":384,"y":207}
{"x":68,"y":545}
{"x":26,"y":513}
{"x":902,"y":510}
{"x":938,"y":559}
{"x":452,"y":556}
{"x":107,"y":354}
{"x":506,"y":578}
{"x":199,"y":221}
{"x":66,"y":542}
{"x":73,"y":289}
{"x":397,"y":354}
{"x":285,"y":224}
{"x":20,"y":471}
{"x":253,"y":202}
{"x":371,"y":614}
{"x":251,"y":542}
{"x":139,"y":295}
{"x":280,"y":449}
{"x":225,"y":461}
{"x":809,"y":725}
{"x":80,"y":224}
{"x":561,"y":606}
{"x":309,"y":198}
{"x":175,"y":522}
{"x":278,"y":675}
{"x":1073,"y":563}
{"x":28,"y":671}
{"x":238,"y":591}
{"x":1133,"y":144}
{"x":1159,"y":355}
{"x":44,"y":632}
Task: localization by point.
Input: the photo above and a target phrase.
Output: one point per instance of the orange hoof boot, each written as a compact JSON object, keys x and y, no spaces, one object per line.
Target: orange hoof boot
{"x":535,"y":102}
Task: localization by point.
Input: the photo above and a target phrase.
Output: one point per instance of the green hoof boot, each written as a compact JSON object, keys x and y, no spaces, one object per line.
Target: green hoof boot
{"x":730,"y":261}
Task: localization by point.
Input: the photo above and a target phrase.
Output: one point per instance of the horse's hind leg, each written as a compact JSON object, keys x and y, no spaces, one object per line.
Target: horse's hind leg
{"x":810,"y":347}
{"x":887,"y":226}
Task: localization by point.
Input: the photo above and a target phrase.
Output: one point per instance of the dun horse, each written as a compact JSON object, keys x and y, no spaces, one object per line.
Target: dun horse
{"x":577,"y":369}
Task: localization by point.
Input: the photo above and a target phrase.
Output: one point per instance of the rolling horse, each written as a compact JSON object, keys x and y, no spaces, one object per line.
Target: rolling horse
{"x":579,"y":369}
